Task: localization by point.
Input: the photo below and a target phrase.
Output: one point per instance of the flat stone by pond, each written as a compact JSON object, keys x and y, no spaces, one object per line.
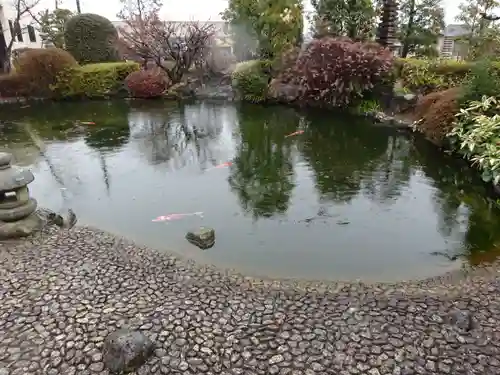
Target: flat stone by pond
{"x":341,"y":200}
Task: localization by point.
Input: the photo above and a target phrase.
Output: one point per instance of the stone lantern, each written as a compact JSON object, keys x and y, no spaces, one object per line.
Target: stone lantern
{"x":16,"y":206}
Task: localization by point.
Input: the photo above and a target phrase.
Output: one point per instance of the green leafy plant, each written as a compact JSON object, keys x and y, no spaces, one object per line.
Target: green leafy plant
{"x":91,"y":38}
{"x":367,"y":106}
{"x":484,"y":80}
{"x":94,"y":80}
{"x":266,"y":27}
{"x":251,"y":80}
{"x":425,"y":76}
{"x":476,"y":136}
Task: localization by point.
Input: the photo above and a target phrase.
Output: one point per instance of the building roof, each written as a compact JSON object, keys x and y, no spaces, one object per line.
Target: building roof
{"x":455,"y":30}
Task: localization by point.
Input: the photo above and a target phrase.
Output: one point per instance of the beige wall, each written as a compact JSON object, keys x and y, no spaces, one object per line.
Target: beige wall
{"x":7,"y":12}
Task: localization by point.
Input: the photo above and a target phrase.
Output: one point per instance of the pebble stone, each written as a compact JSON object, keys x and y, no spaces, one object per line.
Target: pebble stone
{"x":64,"y":291}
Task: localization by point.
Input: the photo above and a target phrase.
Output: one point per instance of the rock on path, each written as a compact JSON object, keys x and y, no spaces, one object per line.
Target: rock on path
{"x":63,"y":293}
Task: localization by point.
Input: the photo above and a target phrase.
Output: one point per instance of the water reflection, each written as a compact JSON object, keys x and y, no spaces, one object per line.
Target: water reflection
{"x":179,"y":135}
{"x":262,"y":171}
{"x":342,"y":200}
{"x":344,"y":156}
{"x":463,"y":205}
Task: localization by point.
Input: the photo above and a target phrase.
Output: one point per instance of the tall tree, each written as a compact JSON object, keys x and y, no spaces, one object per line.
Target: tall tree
{"x":78,"y":7}
{"x":138,"y":8}
{"x":50,"y":25}
{"x":352,"y":18}
{"x":421,"y":22}
{"x":269,"y":26}
{"x":472,"y":15}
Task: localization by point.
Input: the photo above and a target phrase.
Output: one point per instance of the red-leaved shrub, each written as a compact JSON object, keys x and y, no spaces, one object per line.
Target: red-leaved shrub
{"x":14,"y":86}
{"x":42,"y":67}
{"x":146,"y":84}
{"x":334,"y":72}
{"x":436,"y":112}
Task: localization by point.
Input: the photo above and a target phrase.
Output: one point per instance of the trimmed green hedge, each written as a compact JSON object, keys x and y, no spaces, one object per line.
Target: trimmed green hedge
{"x":94,"y":80}
{"x":91,"y":38}
{"x":425,"y":76}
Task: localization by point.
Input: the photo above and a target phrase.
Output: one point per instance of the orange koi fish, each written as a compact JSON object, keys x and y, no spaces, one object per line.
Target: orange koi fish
{"x":176,"y":216}
{"x":223,"y":165}
{"x":295,"y":133}
{"x":87,"y":123}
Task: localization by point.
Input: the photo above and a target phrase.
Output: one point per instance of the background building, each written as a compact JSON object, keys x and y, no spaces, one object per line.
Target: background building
{"x":451,"y":44}
{"x":23,"y":34}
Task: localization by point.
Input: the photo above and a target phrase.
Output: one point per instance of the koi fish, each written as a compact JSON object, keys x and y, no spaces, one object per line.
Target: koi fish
{"x":87,"y":123}
{"x":295,"y":133}
{"x":223,"y":165}
{"x":176,"y":216}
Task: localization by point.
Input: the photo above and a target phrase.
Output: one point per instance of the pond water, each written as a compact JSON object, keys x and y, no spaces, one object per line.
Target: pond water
{"x":343,"y":200}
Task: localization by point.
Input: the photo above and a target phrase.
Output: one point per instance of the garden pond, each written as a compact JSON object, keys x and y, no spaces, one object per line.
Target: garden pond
{"x":342,"y":199}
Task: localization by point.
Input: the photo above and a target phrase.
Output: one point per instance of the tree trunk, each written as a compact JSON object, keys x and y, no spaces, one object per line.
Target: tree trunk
{"x":409,"y":30}
{"x":78,"y":7}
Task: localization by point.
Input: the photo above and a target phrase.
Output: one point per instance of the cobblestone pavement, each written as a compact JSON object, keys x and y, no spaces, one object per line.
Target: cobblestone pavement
{"x":62,"y":295}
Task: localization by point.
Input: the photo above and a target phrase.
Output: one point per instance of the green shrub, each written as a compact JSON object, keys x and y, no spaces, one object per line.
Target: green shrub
{"x":339,"y":72}
{"x":251,"y":79}
{"x":91,"y":38}
{"x":14,"y":85}
{"x":41,"y":66}
{"x":484,"y":80}
{"x":425,"y":76}
{"x":94,"y":80}
{"x":476,"y":135}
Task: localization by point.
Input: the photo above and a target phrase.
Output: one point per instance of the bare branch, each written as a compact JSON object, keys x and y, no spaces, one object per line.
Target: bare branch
{"x":174,"y":47}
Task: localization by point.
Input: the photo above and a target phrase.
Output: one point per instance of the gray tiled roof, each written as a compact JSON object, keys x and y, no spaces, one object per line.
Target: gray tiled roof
{"x":455,"y":30}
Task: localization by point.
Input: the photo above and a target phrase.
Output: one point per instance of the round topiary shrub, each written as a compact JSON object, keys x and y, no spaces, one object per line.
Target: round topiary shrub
{"x":90,"y":38}
{"x":146,"y":84}
{"x":42,"y":66}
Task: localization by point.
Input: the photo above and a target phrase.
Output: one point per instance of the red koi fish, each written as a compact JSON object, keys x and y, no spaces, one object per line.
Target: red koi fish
{"x":176,"y":216}
{"x":295,"y":133}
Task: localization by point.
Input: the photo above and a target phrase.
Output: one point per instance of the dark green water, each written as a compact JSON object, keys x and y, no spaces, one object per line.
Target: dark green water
{"x":343,"y":200}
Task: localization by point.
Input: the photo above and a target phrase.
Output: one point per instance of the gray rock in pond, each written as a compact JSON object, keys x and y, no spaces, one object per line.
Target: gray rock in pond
{"x":124,"y":350}
{"x":20,"y":228}
{"x":204,"y":237}
{"x":50,"y":217}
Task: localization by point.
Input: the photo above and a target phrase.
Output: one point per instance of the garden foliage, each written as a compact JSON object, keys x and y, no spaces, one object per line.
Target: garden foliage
{"x":91,"y":38}
{"x":484,"y":80}
{"x":337,"y":72}
{"x":426,"y":76}
{"x":94,"y":80}
{"x":146,"y":84}
{"x":435,"y":114}
{"x":251,"y":80}
{"x":41,"y":66}
{"x":476,"y":135}
{"x":14,"y":85}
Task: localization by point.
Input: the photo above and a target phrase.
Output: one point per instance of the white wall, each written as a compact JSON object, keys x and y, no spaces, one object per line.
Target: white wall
{"x":8,"y":12}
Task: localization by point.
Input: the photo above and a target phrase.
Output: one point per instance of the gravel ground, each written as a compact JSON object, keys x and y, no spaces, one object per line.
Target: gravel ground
{"x":62,"y":294}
